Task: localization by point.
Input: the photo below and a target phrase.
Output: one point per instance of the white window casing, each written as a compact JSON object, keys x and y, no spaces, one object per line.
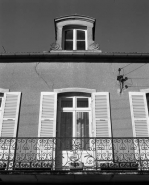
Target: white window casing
{"x":101,"y":114}
{"x":139,"y":114}
{"x":74,"y":39}
{"x":47,"y":114}
{"x":9,"y":115}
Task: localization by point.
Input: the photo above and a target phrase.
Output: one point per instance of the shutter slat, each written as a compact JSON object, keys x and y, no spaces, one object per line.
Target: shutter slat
{"x":46,"y":128}
{"x":9,"y":121}
{"x":101,"y":115}
{"x":139,"y":114}
{"x":47,"y":117}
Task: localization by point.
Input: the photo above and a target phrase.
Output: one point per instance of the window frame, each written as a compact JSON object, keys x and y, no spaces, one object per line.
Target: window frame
{"x":74,"y":29}
{"x":74,"y":109}
{"x":3,"y":98}
{"x":2,"y":102}
{"x":1,"y":105}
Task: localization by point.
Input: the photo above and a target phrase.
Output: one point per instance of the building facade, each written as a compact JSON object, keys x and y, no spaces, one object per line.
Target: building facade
{"x":74,"y":107}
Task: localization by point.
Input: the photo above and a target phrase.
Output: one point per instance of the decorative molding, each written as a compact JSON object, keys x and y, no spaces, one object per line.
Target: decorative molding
{"x":4,"y":90}
{"x":94,"y":46}
{"x":74,"y":90}
{"x":55,"y":46}
{"x":144,"y":90}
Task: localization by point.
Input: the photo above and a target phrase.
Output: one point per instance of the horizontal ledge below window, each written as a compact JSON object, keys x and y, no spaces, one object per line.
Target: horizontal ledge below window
{"x":4,"y":90}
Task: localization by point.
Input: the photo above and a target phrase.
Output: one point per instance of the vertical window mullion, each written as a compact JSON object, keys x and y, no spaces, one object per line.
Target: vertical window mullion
{"x":85,"y":39}
{"x":90,"y":124}
{"x":74,"y":123}
{"x":74,"y":39}
{"x":74,"y":117}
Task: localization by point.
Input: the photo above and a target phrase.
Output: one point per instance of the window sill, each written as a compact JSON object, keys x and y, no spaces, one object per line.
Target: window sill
{"x":74,"y":51}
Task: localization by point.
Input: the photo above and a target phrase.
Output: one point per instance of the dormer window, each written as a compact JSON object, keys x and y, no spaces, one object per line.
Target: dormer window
{"x":75,"y":39}
{"x":73,"y":33}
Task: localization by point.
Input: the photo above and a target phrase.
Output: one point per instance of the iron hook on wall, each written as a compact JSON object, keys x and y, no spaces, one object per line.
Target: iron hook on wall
{"x":122,"y":80}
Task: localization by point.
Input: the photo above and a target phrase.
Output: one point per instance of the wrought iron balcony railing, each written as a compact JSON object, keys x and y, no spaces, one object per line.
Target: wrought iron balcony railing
{"x":74,"y":153}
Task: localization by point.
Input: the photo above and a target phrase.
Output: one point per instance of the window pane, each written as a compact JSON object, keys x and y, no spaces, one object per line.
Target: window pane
{"x":82,"y":124}
{"x":68,"y":45}
{"x":82,"y":129}
{"x":66,"y":124}
{"x":69,"y":34}
{"x":80,"y":35}
{"x":66,"y":130}
{"x":66,"y":102}
{"x":80,"y":45}
{"x":1,"y":94}
{"x":82,"y":102}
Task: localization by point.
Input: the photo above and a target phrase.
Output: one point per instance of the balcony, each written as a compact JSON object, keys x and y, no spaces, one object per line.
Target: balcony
{"x":74,"y":154}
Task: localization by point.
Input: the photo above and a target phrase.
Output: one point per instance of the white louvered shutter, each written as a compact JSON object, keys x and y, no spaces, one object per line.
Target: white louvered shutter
{"x":10,"y":111}
{"x":47,"y":116}
{"x":139,"y":114}
{"x":101,"y":114}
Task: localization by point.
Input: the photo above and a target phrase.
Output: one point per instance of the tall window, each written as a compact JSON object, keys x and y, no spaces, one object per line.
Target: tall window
{"x":75,"y":39}
{"x":74,"y":119}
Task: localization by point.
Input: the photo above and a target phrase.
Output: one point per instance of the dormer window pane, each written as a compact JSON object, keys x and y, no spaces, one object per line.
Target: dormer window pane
{"x":80,"y":35}
{"x":69,"y":34}
{"x":68,"y":45}
{"x":80,"y":45}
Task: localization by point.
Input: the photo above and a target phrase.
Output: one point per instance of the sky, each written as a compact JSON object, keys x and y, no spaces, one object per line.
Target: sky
{"x":28,"y":25}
